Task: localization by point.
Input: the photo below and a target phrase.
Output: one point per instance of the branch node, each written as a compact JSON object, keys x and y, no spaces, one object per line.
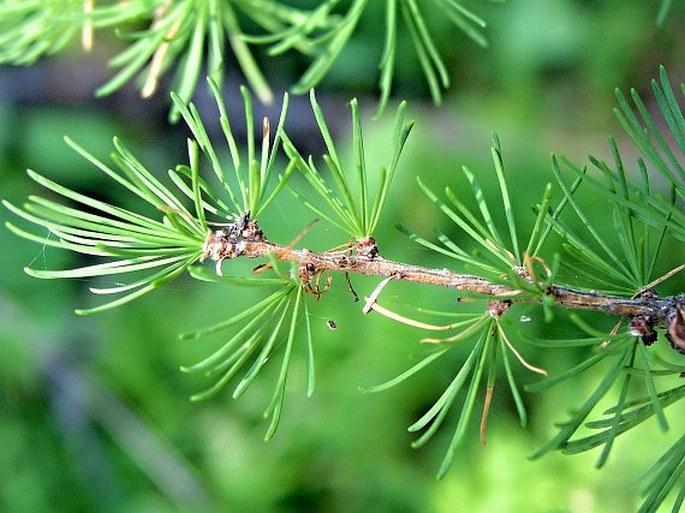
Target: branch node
{"x":497,"y":309}
{"x":367,"y":248}
{"x":643,"y":326}
{"x":231,"y":242}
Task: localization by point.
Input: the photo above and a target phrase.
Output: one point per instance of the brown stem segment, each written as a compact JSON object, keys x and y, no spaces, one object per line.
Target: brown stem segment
{"x":244,"y":239}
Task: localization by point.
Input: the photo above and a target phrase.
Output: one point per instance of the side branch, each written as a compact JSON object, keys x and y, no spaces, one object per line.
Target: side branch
{"x":245,"y":239}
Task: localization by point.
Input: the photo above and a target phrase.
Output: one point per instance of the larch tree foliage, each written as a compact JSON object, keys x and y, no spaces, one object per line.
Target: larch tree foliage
{"x":207,"y":213}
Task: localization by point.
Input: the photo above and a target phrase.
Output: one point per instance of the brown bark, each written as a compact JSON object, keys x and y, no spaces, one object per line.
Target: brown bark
{"x":245,"y":239}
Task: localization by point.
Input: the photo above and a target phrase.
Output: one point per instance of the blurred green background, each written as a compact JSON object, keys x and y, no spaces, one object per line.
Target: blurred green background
{"x":94,"y":412}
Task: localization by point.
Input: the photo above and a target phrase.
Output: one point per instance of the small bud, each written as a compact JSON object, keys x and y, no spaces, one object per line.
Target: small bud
{"x":643,"y":327}
{"x":676,"y":331}
{"x":648,"y":294}
{"x":497,"y":309}
{"x":367,"y":248}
